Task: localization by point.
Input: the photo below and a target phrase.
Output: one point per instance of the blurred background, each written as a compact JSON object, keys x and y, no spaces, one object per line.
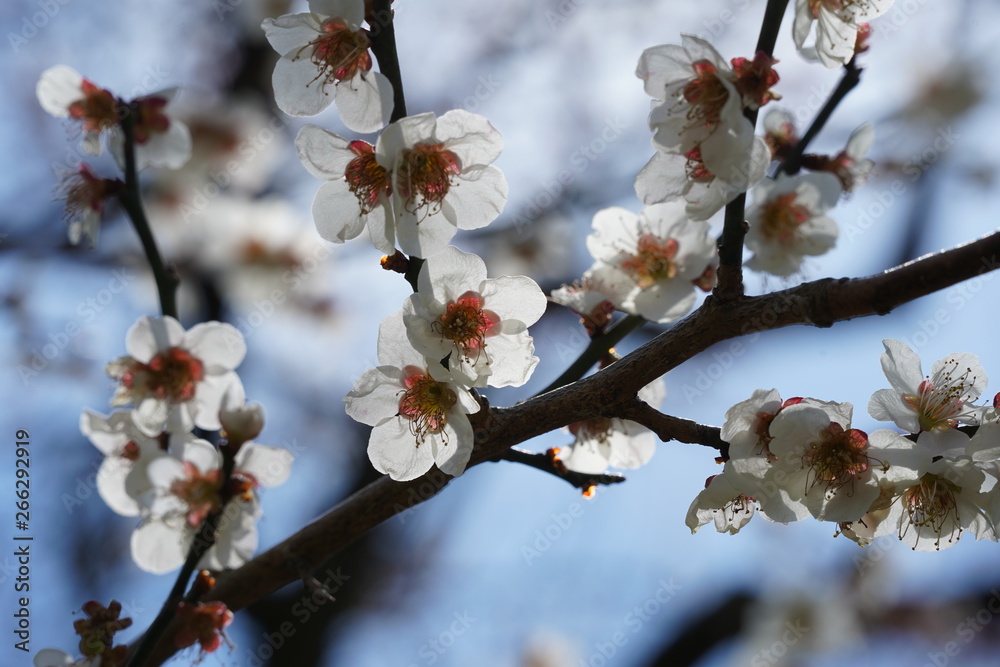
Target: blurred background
{"x":508,"y":567}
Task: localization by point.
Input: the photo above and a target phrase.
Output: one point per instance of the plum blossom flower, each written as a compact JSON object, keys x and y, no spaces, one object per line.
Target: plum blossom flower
{"x":325,"y":58}
{"x":788,"y":221}
{"x":176,"y":379}
{"x":837,"y":25}
{"x":425,"y":178}
{"x":932,"y":405}
{"x":64,"y":93}
{"x":442,"y":178}
{"x":723,"y":504}
{"x":932,"y":512}
{"x":122,"y":478}
{"x":188,"y":488}
{"x":649,"y":263}
{"x":418,"y":408}
{"x":834,"y":470}
{"x":202,"y":623}
{"x":700,"y":105}
{"x":85,"y":194}
{"x":357,"y":191}
{"x":97,"y":632}
{"x":602,"y":442}
{"x":481,"y":322}
{"x":586,"y":299}
{"x":850,"y":165}
{"x":161,"y":140}
{"x":670,"y":175}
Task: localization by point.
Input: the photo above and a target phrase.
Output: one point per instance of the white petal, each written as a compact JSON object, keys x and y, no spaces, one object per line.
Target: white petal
{"x":150,"y":335}
{"x":220,"y":346}
{"x":476,"y":197}
{"x":393,"y":450}
{"x":365,"y":102}
{"x":270,"y":466}
{"x":336,"y":212}
{"x":291,"y":32}
{"x":324,"y":154}
{"x":159,"y":548}
{"x":299,"y":87}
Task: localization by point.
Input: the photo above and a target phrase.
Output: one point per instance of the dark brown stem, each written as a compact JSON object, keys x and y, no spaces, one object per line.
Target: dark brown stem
{"x":551,"y":465}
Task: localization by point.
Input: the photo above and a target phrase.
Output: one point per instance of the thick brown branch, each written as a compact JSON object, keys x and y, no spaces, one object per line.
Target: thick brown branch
{"x":820,"y":303}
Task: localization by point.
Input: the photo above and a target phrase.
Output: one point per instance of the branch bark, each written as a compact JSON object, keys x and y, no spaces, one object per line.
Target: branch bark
{"x":610,"y":391}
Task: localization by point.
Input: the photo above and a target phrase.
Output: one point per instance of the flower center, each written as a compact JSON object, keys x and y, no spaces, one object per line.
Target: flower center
{"x":171,"y":376}
{"x":85,"y":191}
{"x":200,"y":492}
{"x":942,"y":398}
{"x":838,"y":458}
{"x":367,"y":179}
{"x":149,"y":118}
{"x":705,"y":93}
{"x":339,"y":52}
{"x":780,"y":218}
{"x":467,"y":324}
{"x":695,"y":168}
{"x":425,"y":402}
{"x":653,"y":260}
{"x":97,"y":109}
{"x":425,"y":174}
{"x":930,"y":504}
{"x":754,"y":79}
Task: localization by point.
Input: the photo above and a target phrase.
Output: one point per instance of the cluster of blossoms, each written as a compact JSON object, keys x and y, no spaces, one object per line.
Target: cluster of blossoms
{"x":158,"y":469}
{"x":790,"y":459}
{"x":160,"y":140}
{"x":423,"y":179}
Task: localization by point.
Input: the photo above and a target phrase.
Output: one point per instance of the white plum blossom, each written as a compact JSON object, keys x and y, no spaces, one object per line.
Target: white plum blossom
{"x":160,"y":139}
{"x":722,"y":503}
{"x":649,"y":264}
{"x":425,"y":178}
{"x":86,"y":194}
{"x":64,"y":93}
{"x":588,"y":300}
{"x":482,"y":323}
{"x":418,"y":408}
{"x":176,"y":379}
{"x":835,"y":471}
{"x":188,"y":487}
{"x":788,"y":221}
{"x":357,"y":191}
{"x":442,"y":177}
{"x":601,"y":442}
{"x":670,"y":175}
{"x":933,"y":512}
{"x":934,"y":405}
{"x":850,"y":165}
{"x":837,"y":25}
{"x":325,"y":57}
{"x":698,"y":104}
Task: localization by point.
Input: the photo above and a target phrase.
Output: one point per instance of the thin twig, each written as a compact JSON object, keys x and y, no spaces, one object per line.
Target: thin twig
{"x":669,"y":428}
{"x":551,"y":465}
{"x":850,"y":79}
{"x":131,"y":201}
{"x":599,"y":346}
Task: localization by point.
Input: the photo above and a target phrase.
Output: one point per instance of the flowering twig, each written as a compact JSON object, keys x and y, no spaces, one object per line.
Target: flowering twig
{"x":204,"y":539}
{"x":851,"y":78}
{"x":819,"y":303}
{"x":131,"y":201}
{"x":546,"y":463}
{"x":730,"y":271}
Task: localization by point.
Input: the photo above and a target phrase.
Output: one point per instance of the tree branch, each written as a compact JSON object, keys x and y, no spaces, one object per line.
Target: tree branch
{"x":819,"y":303}
{"x":669,"y":428}
{"x":551,"y":464}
